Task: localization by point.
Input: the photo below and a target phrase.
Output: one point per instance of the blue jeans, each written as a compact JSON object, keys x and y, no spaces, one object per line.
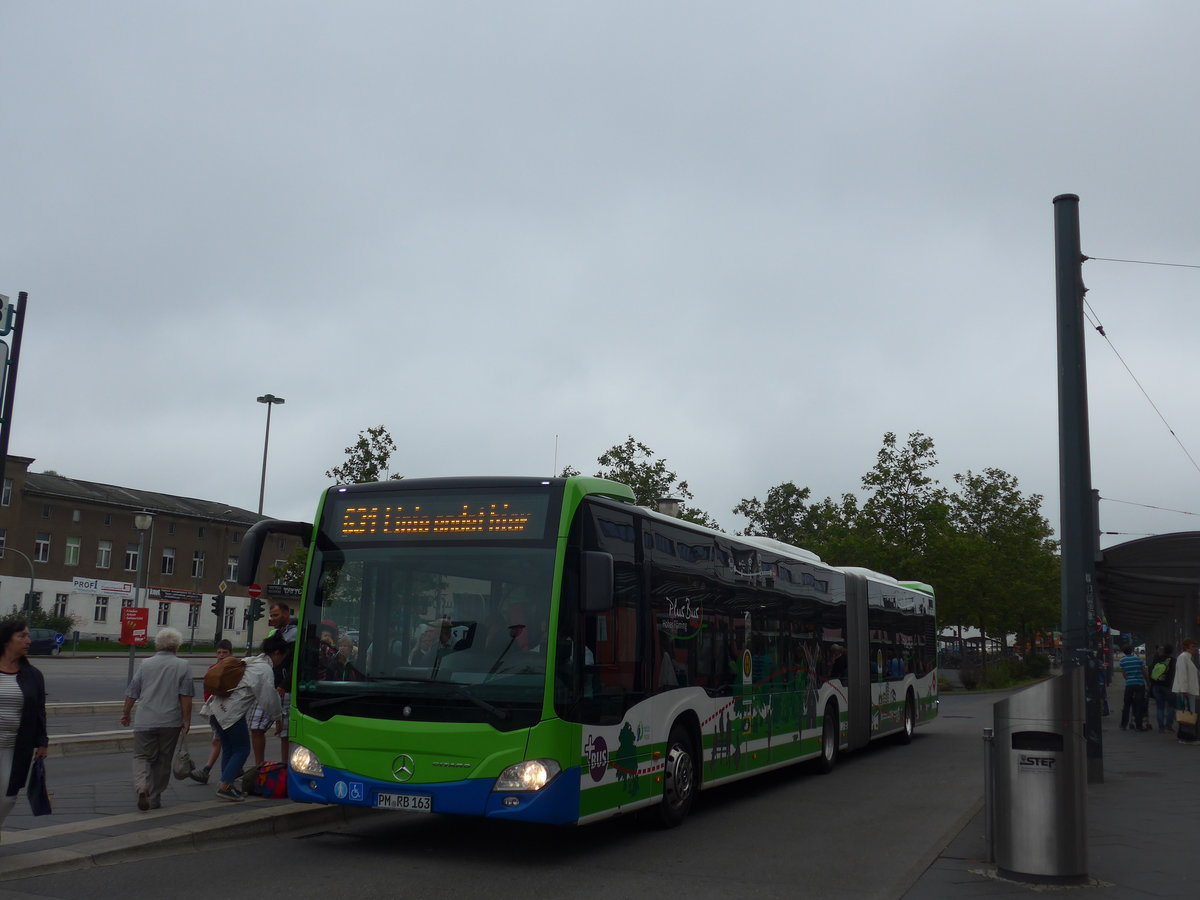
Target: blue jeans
{"x":1164,"y":706}
{"x":235,"y":748}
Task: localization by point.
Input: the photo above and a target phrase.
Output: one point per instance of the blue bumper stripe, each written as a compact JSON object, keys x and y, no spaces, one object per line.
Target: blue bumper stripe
{"x":555,"y":804}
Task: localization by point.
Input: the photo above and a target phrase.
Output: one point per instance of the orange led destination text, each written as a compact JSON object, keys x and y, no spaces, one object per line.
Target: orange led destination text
{"x":359,"y":521}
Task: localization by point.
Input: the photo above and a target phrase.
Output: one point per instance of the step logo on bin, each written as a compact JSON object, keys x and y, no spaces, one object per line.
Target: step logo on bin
{"x":1040,"y":764}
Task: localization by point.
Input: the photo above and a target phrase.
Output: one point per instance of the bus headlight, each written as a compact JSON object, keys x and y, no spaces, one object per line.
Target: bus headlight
{"x":531,"y":775}
{"x":304,"y":762}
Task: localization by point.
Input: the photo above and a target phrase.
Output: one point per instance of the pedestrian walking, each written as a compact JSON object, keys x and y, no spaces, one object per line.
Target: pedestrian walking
{"x":1134,"y":705}
{"x":1162,"y":674}
{"x":162,"y":689}
{"x":22,"y":712}
{"x":227,"y":715}
{"x":1186,"y":688}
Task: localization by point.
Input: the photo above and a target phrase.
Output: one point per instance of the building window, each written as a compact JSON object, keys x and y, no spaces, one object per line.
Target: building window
{"x":237,"y":536}
{"x":168,"y":561}
{"x":108,"y":518}
{"x":231,"y":568}
{"x":34,"y":600}
{"x":104,"y":554}
{"x":45,"y":510}
{"x":6,"y":494}
{"x":128,"y":603}
{"x":41,"y":547}
{"x":198,"y":564}
{"x":72,"y":556}
{"x":131,"y":557}
{"x":170,"y":528}
{"x":3,"y":540}
{"x":60,"y":604}
{"x":193,"y":615}
{"x":229,"y":611}
{"x":101,"y":613}
{"x":76,"y":515}
{"x":200,"y":532}
{"x":164,"y":613}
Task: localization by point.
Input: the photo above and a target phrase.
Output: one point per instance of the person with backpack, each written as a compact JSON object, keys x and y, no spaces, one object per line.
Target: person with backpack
{"x":1162,"y":674}
{"x":235,"y":686}
{"x":223,"y":648}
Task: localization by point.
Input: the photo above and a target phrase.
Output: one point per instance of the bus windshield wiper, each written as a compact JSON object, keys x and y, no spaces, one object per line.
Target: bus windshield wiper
{"x":482,"y":704}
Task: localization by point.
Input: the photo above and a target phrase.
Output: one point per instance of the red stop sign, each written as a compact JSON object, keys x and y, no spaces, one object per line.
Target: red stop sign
{"x":254,"y":591}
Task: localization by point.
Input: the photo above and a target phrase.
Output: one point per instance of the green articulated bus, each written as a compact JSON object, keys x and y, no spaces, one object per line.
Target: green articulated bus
{"x":546,"y":650}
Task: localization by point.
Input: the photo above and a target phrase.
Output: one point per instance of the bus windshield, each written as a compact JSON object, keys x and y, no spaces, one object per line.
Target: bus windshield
{"x":427,"y":633}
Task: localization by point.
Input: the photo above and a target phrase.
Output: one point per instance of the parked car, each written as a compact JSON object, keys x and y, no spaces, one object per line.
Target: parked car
{"x":41,"y":642}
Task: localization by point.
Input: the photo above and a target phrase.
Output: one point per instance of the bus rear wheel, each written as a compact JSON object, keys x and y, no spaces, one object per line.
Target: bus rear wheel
{"x":910,"y":720}
{"x":829,"y":739}
{"x":679,"y":779}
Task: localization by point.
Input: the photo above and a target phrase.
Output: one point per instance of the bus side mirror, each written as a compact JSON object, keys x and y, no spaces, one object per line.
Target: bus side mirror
{"x":255,"y":539}
{"x":597,"y":581}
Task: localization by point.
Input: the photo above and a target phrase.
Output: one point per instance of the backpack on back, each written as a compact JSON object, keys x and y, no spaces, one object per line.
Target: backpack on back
{"x":221,"y":679}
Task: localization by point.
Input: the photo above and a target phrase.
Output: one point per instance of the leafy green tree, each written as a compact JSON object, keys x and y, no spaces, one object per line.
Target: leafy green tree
{"x":906,"y":506}
{"x":367,"y":459}
{"x":291,"y":573}
{"x":633,"y":463}
{"x":39,"y":618}
{"x":985,"y":546}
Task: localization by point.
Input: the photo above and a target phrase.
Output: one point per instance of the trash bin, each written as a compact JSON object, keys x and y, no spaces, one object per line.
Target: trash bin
{"x":1039,"y":782}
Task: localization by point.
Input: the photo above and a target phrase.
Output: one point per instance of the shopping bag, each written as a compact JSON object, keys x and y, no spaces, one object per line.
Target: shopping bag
{"x":39,"y":798}
{"x":182,"y":766}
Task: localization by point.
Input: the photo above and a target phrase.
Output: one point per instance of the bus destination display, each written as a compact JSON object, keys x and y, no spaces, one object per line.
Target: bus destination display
{"x":491,"y":517}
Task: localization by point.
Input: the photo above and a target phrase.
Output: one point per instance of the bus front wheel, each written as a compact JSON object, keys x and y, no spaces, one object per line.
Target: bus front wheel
{"x":679,"y":778}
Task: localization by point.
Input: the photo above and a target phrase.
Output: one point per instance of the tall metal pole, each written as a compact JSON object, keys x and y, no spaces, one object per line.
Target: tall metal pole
{"x":1078,"y":525}
{"x":10,"y":383}
{"x":270,"y":400}
{"x":137,"y":592}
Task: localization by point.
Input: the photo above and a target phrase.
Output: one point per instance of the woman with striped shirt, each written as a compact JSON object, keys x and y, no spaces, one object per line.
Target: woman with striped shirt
{"x":22,"y":712}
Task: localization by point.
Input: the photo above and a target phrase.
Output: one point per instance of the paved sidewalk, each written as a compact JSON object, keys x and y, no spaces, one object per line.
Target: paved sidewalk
{"x":1141,"y":826}
{"x":97,"y":822}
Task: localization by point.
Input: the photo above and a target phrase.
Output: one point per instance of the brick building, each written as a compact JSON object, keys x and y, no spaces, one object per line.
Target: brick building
{"x":79,"y":546}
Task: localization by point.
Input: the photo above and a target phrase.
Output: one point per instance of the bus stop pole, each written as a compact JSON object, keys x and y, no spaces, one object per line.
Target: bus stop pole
{"x":1079,"y":531}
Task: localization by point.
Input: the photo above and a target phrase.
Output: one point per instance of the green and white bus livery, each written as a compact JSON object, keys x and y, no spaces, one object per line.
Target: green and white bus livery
{"x":545,"y":650}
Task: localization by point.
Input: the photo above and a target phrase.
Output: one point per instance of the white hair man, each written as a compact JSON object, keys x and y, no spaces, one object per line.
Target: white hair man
{"x":163,"y":690}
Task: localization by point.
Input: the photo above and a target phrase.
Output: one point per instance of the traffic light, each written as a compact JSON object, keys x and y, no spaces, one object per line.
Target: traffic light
{"x":218,"y":605}
{"x":256,"y":609}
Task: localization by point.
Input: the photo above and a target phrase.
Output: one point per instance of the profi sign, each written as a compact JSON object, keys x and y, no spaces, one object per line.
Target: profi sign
{"x":100,"y":586}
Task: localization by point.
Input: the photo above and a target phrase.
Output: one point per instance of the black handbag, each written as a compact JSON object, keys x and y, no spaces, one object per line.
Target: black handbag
{"x":39,"y":799}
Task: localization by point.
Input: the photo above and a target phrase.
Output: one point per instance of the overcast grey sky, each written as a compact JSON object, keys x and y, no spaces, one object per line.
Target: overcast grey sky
{"x":754,"y":236}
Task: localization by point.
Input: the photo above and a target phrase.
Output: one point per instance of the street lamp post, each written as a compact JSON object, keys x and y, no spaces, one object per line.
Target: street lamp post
{"x":28,"y":605}
{"x":270,"y":400}
{"x":142,"y":522}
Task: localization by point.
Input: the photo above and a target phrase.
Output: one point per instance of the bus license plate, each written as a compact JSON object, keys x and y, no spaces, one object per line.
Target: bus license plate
{"x":406,"y":802}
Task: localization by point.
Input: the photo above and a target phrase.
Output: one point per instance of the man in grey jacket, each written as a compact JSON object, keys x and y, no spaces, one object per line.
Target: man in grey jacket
{"x":163,"y":690}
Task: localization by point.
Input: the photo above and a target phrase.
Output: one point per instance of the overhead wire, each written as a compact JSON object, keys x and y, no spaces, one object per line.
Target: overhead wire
{"x":1100,"y":328}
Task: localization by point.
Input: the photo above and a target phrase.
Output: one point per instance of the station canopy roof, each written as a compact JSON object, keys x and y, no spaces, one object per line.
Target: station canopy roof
{"x":1145,"y":582}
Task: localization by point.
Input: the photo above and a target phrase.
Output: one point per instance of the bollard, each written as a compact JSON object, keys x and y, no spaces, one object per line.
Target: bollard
{"x":989,"y":794}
